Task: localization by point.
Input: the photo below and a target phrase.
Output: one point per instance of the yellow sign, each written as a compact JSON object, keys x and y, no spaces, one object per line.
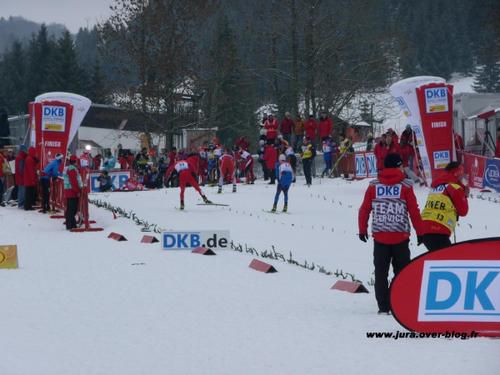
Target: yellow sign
{"x":54,"y":127}
{"x":8,"y":256}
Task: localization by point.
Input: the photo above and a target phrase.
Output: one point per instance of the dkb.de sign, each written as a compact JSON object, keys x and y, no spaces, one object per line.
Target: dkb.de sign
{"x":190,"y":240}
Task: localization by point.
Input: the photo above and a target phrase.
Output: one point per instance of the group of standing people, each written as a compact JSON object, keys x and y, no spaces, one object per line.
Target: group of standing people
{"x":295,"y":131}
{"x":31,"y":181}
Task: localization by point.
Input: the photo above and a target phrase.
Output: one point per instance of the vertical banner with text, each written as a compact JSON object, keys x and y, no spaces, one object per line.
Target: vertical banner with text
{"x":436,"y":111}
{"x":405,"y":94}
{"x":53,"y":124}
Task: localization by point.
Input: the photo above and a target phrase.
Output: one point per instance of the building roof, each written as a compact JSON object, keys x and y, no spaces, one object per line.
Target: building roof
{"x":112,"y":117}
{"x":470,"y":104}
{"x":485,"y":113}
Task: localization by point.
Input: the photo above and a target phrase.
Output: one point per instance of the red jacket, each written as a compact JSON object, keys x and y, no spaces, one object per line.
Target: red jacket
{"x":270,"y":156}
{"x":457,"y":196}
{"x":310,"y":128}
{"x":74,"y":192}
{"x":123,"y":162}
{"x":325,"y":127}
{"x":497,"y":149}
{"x":30,"y":167}
{"x":392,"y":199}
{"x":272,"y":128}
{"x":287,"y":125}
{"x":193,"y":161}
{"x":97,"y":162}
{"x":20,"y":163}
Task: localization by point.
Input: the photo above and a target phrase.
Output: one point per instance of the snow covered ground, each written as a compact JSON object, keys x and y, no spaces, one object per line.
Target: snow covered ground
{"x":85,"y":304}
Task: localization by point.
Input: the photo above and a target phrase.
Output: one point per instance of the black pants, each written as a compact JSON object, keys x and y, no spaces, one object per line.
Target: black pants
{"x":45,"y":182}
{"x":436,"y":241}
{"x":264,"y":170}
{"x":272,"y":176}
{"x":383,"y":256}
{"x":293,"y":164}
{"x":71,"y":210}
{"x":29,"y":197}
{"x":306,"y":165}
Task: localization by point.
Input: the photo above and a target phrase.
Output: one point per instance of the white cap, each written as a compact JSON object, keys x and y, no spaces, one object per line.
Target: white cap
{"x":282,"y":157}
{"x":59,"y":156}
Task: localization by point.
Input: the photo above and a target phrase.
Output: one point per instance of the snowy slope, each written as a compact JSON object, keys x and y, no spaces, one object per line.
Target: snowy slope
{"x":84,"y":304}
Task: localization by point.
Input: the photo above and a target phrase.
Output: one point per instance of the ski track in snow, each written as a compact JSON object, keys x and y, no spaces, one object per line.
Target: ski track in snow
{"x":85,"y":304}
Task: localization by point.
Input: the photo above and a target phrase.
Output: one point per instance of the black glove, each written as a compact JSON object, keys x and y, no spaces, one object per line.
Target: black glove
{"x":420,"y":240}
{"x":363,"y":237}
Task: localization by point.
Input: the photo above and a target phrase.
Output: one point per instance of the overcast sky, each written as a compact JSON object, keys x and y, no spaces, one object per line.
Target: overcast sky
{"x":71,"y":13}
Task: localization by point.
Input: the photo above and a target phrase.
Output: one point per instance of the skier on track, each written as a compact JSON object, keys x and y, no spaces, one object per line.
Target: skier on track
{"x":227,"y":170}
{"x":185,"y":172}
{"x":284,"y":175}
{"x":248,"y":166}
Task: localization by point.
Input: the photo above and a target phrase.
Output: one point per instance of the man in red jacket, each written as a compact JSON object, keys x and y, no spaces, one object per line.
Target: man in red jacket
{"x":227,"y":170}
{"x":391,"y":198}
{"x":185,"y":172}
{"x":287,"y":125}
{"x":325,"y":127}
{"x":72,"y":189}
{"x":310,"y":129}
{"x":19,"y":176}
{"x":389,"y":146}
{"x":271,"y":125}
{"x":447,"y":201}
{"x":271,"y":158}
{"x":30,"y":179}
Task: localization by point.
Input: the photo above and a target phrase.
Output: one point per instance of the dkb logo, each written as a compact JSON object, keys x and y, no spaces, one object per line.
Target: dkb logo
{"x":51,"y":111}
{"x":460,"y":291}
{"x":191,"y":240}
{"x":435,"y":93}
{"x":386,"y":191}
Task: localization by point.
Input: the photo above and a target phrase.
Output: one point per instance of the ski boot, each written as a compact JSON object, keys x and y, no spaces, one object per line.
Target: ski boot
{"x":205,"y":199}
{"x":182,"y":205}
{"x":220,"y":190}
{"x":285,"y":207}
{"x":274,"y":208}
{"x":234,"y":188}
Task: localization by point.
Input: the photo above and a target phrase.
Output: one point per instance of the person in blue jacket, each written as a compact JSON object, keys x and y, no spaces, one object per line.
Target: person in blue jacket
{"x":109,"y":162}
{"x":327,"y":156}
{"x":284,"y":175}
{"x":50,"y":172}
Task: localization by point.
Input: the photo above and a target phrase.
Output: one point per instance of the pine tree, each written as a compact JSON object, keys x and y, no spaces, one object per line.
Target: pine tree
{"x":39,"y":59}
{"x":13,"y":94}
{"x":228,"y":88}
{"x":487,"y":77}
{"x":97,"y":87}
{"x":65,"y":73}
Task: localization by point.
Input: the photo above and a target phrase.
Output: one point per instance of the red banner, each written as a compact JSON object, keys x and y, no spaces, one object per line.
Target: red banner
{"x":52,"y":127}
{"x":474,"y":166}
{"x":435,"y":102}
